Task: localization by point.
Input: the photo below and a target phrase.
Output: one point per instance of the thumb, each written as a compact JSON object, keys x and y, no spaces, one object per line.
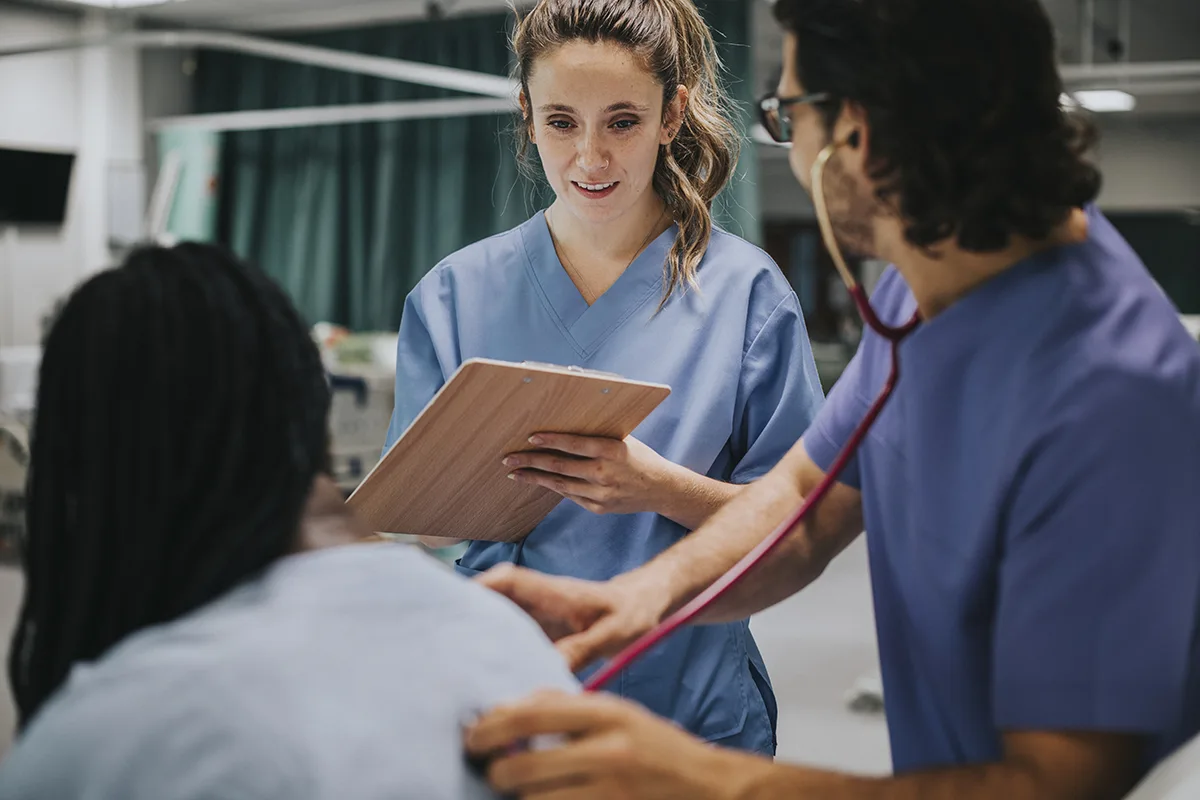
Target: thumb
{"x":518,"y":585}
{"x":499,"y":578}
{"x":581,"y":649}
{"x":539,"y":596}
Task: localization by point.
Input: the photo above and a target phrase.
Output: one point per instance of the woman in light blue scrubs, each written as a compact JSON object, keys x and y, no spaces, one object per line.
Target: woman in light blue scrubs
{"x":625,"y":273}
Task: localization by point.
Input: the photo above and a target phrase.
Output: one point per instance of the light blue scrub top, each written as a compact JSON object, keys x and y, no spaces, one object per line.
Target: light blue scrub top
{"x":342,"y":674}
{"x":745,"y":387}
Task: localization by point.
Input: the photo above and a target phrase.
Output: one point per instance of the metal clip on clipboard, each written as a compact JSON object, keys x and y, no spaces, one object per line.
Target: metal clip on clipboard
{"x":580,"y":370}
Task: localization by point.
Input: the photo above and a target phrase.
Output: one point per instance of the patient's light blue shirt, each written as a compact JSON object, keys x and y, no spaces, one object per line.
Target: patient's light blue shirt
{"x":343,"y":673}
{"x":744,"y":388}
{"x":1032,"y":504}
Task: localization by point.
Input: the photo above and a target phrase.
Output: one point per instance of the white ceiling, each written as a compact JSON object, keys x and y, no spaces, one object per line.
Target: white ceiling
{"x":1158,"y":30}
{"x":297,"y":14}
{"x":1152,"y":30}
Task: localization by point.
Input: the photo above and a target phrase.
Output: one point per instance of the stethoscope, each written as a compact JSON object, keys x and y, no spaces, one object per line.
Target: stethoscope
{"x":894,"y":335}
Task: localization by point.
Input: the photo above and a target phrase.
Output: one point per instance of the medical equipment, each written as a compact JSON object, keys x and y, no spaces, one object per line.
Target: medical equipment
{"x":895,"y":335}
{"x":14,"y":466}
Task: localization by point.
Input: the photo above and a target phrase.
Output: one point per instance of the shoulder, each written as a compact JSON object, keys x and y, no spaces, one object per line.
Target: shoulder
{"x":1111,"y":429}
{"x":486,"y":619}
{"x":412,"y":595}
{"x":178,"y":727}
{"x":1113,"y":345}
{"x":1114,"y":398}
{"x":731,"y":259}
{"x":891,"y":298}
{"x":736,"y":270}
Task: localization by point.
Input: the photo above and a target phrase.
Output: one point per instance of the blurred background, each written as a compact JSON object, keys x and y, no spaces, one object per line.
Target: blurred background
{"x":346,"y":147}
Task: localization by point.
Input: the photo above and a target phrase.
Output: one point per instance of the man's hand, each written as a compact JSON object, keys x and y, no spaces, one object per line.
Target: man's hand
{"x":609,"y":748}
{"x":612,"y":750}
{"x":586,"y":620}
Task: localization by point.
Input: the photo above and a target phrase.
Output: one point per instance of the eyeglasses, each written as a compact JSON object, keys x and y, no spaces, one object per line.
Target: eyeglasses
{"x":774,"y":113}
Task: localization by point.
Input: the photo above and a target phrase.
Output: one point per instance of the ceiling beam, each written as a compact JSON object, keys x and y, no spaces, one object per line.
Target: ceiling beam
{"x":273,"y":119}
{"x":379,"y":66}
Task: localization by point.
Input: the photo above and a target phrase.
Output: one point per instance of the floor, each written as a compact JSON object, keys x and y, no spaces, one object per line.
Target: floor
{"x":10,"y":603}
{"x":817,"y":645}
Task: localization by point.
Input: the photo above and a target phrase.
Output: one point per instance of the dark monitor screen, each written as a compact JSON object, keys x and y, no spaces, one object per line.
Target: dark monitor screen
{"x":1169,"y":245}
{"x":33,"y":186}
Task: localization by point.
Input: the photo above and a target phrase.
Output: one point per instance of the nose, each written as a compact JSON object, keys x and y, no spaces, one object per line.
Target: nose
{"x":590,"y":156}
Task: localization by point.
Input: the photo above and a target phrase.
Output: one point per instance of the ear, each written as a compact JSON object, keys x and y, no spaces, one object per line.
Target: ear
{"x":673,"y":116}
{"x":526,"y":115}
{"x":853,"y":128}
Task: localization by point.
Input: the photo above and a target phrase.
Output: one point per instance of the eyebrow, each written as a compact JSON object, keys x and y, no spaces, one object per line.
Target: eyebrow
{"x":622,"y":106}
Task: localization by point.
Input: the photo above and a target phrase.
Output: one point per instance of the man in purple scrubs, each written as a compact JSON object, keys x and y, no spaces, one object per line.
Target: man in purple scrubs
{"x":1031,"y":495}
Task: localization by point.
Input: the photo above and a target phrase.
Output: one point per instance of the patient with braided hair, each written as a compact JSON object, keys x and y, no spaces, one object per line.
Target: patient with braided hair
{"x":202,"y":617}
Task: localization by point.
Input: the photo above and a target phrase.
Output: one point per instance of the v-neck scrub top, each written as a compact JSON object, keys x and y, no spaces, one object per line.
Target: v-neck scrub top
{"x":744,"y":389}
{"x":1032,"y":504}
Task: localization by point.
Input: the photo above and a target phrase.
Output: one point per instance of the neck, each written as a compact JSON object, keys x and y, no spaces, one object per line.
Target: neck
{"x":327,"y":520}
{"x":617,"y":241}
{"x":944,"y":273}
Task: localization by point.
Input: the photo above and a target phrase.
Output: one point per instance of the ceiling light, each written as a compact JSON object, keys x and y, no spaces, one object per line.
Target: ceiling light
{"x":1105,"y":100}
{"x":121,"y":3}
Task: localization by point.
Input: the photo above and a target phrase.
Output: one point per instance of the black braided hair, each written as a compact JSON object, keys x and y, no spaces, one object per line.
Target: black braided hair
{"x":181,"y":421}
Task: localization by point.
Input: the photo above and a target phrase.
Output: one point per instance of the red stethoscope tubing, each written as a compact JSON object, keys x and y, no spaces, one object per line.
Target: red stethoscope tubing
{"x":698,"y":604}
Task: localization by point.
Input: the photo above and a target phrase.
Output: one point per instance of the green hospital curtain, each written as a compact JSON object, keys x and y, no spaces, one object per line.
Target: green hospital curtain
{"x":737,"y":208}
{"x":195,"y":154}
{"x":349,"y":217}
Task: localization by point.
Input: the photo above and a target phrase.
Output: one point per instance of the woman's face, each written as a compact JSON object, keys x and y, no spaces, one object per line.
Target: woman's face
{"x":596,"y":116}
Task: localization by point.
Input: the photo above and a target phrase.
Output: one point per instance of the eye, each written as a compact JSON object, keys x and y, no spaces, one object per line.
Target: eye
{"x":626,"y":124}
{"x":560,"y":124}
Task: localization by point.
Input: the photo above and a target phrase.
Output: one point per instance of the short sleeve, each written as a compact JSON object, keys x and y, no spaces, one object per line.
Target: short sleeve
{"x":420,"y":367}
{"x":1100,"y":573}
{"x":835,"y":423}
{"x":779,"y":392}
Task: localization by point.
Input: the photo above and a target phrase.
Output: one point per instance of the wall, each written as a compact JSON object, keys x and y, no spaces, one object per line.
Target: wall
{"x":40,"y":96}
{"x":84,"y":101}
{"x":1149,"y":163}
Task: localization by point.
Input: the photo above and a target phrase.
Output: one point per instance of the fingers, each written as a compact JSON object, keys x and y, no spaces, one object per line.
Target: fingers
{"x":602,"y":639}
{"x":505,"y":579}
{"x":534,"y":592}
{"x":561,"y":606}
{"x":574,"y":791}
{"x":545,"y":713}
{"x":594,"y":506}
{"x":567,"y":487}
{"x":570,"y":771}
{"x":585,"y":446}
{"x":555,"y":463}
{"x":526,"y":587}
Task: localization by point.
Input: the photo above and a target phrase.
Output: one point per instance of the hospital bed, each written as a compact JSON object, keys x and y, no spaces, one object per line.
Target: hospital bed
{"x":1176,"y":778}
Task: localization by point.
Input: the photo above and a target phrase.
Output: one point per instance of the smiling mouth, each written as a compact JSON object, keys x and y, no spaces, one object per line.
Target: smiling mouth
{"x":595,"y":189}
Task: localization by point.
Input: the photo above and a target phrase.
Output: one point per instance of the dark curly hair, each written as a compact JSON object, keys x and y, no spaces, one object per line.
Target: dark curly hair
{"x":969,"y":137}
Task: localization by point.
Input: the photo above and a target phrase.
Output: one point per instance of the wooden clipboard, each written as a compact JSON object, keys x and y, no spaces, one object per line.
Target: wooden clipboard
{"x":443,"y":476}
